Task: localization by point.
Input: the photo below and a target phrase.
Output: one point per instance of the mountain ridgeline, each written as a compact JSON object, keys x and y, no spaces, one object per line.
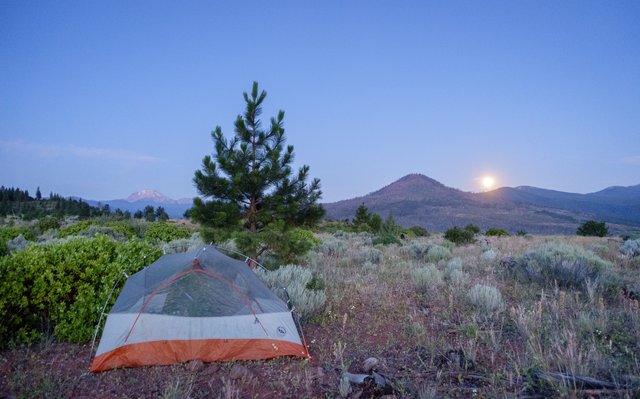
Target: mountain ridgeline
{"x":419,"y":200}
{"x":138,"y":200}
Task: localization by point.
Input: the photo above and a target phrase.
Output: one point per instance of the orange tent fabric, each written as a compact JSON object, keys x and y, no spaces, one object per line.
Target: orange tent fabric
{"x":199,"y":305}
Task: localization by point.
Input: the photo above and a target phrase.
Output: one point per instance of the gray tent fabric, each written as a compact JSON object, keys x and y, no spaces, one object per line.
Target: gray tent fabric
{"x":192,"y":295}
{"x":196,"y":305}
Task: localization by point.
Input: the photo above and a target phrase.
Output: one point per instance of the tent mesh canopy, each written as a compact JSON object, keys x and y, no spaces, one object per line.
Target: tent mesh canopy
{"x":203,"y":284}
{"x":196,"y":305}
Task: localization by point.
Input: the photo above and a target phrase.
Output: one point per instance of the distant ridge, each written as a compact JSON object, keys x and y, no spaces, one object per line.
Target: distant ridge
{"x":150,"y":195}
{"x":140,"y":199}
{"x":416,"y":199}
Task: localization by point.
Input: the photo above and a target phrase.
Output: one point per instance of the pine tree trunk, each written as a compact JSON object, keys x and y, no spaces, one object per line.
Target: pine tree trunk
{"x":253,"y":228}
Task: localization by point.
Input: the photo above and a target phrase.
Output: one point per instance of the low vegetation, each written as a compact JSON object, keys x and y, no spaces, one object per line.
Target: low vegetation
{"x":488,"y":316}
{"x":57,"y":290}
{"x":593,"y":228}
{"x":298,"y":287}
{"x":458,"y":235}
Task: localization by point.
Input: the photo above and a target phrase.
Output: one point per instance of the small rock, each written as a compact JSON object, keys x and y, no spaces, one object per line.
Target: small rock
{"x":239,"y":372}
{"x":370,"y":364}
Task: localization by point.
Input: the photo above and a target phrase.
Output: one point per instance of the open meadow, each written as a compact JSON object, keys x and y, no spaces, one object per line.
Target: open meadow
{"x":517,"y":316}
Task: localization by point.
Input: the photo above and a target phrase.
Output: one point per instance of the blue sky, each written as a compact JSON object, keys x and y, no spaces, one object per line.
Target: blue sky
{"x":101,"y":99}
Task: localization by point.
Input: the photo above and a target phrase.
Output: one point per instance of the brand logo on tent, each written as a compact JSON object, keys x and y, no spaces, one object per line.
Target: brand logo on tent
{"x":282,"y":330}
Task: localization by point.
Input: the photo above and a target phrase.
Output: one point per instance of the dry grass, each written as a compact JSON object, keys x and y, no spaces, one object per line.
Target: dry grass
{"x":450,"y":340}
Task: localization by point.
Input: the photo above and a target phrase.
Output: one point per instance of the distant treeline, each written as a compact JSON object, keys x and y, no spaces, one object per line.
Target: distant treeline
{"x":16,"y":202}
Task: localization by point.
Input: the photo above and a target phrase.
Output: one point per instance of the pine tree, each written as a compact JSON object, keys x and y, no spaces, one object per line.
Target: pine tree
{"x":149,"y":213}
{"x":249,"y":183}
{"x":362,"y":216}
{"x":161,"y":214}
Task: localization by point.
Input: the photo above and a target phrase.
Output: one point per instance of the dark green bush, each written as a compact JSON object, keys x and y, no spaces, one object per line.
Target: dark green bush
{"x":496,"y":232}
{"x":419,"y":231}
{"x":59,"y":289}
{"x":386,"y":238}
{"x":593,"y":228}
{"x":76,"y":228}
{"x":288,"y":245}
{"x":115,"y":229}
{"x":47,"y":223}
{"x":459,"y":235}
{"x":472,"y":228}
{"x":123,"y":228}
{"x":165,"y":232}
{"x":365,"y":221}
{"x":285,"y":245}
{"x":389,"y":233}
{"x":215,"y":235}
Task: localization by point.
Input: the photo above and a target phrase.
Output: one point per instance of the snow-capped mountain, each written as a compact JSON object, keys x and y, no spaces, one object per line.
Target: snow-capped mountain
{"x":140,"y":199}
{"x":150,"y":195}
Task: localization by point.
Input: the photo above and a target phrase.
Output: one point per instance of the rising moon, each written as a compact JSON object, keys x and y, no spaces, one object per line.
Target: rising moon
{"x":488,"y":182}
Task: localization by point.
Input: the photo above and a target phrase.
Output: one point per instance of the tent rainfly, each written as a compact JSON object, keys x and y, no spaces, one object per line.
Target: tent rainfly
{"x":199,"y":305}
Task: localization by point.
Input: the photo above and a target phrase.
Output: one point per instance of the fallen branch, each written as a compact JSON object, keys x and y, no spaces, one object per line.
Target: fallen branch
{"x":584,"y":382}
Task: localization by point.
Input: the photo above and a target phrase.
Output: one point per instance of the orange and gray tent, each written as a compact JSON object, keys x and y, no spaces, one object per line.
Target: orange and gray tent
{"x":199,"y":305}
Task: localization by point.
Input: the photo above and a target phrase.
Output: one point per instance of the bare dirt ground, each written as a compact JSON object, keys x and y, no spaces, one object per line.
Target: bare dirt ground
{"x":345,"y":337}
{"x":429,"y":344}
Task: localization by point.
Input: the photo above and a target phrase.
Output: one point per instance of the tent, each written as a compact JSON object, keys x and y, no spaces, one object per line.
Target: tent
{"x":198,"y":305}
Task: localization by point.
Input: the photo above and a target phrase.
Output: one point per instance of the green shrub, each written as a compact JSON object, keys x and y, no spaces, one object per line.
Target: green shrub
{"x":428,"y":279}
{"x":436,"y":253}
{"x":496,"y":232}
{"x":459,"y":236}
{"x":47,"y":223}
{"x":418,"y":249}
{"x":95,"y":230}
{"x":454,"y":264}
{"x":568,"y":265}
{"x":333,"y":246}
{"x":387,"y":238}
{"x":165,"y":232}
{"x":118,"y":229}
{"x":631,"y":248}
{"x":122,"y":227}
{"x":59,"y":289}
{"x":448,"y":244}
{"x":369,"y":254}
{"x":76,"y":228}
{"x":389,"y":232}
{"x":285,"y":245}
{"x":10,"y":233}
{"x":454,"y":273}
{"x":296,"y":285}
{"x":183,"y":244}
{"x":593,"y":228}
{"x":472,"y":228}
{"x":486,"y":299}
{"x":215,"y":235}
{"x":419,"y":231}
{"x":489,"y":254}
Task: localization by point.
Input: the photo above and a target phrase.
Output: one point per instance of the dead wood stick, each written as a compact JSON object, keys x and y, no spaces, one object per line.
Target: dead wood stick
{"x":578,"y":381}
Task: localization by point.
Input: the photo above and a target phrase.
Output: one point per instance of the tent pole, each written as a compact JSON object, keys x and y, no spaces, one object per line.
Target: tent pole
{"x":104,"y":307}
